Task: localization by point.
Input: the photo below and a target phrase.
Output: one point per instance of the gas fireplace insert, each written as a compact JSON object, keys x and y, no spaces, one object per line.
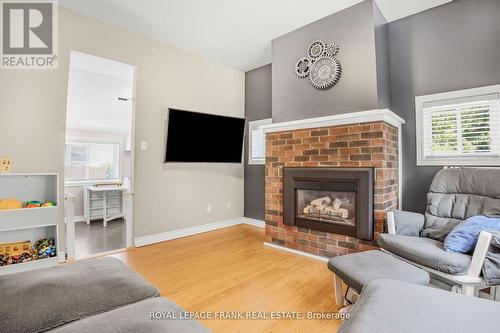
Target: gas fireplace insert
{"x":336,"y":200}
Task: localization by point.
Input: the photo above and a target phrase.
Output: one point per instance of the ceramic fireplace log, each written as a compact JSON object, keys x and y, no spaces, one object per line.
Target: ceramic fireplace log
{"x":341,"y":212}
{"x":336,"y":204}
{"x":326,"y":210}
{"x":321,"y":202}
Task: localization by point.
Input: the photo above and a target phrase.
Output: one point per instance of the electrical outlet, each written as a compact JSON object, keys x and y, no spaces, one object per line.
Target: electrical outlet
{"x":209,"y":208}
{"x":144,"y":146}
{"x":228,"y":205}
{"x":5,"y":164}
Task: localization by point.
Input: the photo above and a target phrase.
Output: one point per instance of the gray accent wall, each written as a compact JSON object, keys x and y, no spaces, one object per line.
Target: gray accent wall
{"x":451,"y":47}
{"x":382,"y":59}
{"x":257,"y":106}
{"x":353,"y":29}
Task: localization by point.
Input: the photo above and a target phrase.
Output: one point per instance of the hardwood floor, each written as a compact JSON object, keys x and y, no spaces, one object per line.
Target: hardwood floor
{"x":230,"y":270}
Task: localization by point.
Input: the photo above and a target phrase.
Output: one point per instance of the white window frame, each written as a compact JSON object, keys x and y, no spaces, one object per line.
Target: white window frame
{"x":473,"y":159}
{"x":98,"y":140}
{"x":252,"y":126}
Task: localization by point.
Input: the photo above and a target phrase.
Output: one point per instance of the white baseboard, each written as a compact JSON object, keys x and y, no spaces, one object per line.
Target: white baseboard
{"x":174,"y":234}
{"x":254,"y":222}
{"x":300,"y":253}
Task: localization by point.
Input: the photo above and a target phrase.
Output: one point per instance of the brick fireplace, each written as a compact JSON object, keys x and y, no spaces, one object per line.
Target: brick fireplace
{"x":355,"y":146}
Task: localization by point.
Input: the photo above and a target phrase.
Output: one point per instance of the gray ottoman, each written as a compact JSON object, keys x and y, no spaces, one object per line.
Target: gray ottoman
{"x":388,"y":306}
{"x":358,"y":269}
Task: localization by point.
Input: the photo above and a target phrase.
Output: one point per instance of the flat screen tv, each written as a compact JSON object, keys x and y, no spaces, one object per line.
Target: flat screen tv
{"x":200,"y":137}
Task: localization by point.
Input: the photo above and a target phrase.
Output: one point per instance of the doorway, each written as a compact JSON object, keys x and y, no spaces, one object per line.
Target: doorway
{"x":99,"y":159}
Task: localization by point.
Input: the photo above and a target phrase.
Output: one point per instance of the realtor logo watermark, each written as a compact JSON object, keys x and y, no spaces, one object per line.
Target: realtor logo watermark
{"x":29,"y":34}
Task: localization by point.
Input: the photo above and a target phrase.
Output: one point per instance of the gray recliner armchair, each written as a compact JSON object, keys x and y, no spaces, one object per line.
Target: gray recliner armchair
{"x":455,"y":195}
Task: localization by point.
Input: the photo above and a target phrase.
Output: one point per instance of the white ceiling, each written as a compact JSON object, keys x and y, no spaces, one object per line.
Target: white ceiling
{"x":94,"y":86}
{"x":103,"y":66}
{"x":395,"y":9}
{"x":237,"y":33}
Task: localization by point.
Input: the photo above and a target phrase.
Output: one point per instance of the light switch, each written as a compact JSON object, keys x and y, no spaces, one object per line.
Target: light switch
{"x":144,"y":146}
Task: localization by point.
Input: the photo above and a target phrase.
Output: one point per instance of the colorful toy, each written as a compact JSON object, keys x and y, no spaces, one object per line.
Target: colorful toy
{"x":33,"y":204}
{"x":48,"y":204}
{"x":13,"y":253}
{"x":45,"y":248}
{"x":10,"y":204}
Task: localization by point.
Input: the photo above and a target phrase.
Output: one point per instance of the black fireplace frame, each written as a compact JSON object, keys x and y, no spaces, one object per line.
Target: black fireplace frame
{"x":335,"y":179}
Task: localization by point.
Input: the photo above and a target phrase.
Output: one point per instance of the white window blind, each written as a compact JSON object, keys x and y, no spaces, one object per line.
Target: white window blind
{"x":462,"y":130}
{"x":257,"y":141}
{"x":258,"y":144}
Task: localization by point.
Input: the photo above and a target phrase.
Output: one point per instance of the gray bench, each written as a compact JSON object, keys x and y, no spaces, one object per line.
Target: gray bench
{"x":358,"y":269}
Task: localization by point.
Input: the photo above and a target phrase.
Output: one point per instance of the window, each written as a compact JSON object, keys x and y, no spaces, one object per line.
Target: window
{"x":459,"y":128}
{"x":92,"y":161}
{"x":257,"y":141}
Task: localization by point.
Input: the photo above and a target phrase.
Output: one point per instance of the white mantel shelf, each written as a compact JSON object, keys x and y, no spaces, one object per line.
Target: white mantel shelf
{"x":384,"y":115}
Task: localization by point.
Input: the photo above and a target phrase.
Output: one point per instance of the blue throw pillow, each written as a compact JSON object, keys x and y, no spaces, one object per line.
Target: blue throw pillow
{"x":463,"y":238}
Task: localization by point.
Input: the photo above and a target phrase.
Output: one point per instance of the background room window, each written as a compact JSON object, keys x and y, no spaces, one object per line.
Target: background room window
{"x":257,"y":141}
{"x":92,"y":161}
{"x":459,"y":128}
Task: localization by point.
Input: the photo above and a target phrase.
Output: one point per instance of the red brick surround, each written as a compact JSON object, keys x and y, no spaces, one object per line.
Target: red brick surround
{"x":356,"y":145}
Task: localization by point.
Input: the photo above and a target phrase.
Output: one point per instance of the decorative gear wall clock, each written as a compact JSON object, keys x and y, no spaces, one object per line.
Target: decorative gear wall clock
{"x":320,"y":65}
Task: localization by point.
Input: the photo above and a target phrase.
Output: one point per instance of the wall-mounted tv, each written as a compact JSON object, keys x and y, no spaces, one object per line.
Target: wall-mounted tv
{"x":200,"y":137}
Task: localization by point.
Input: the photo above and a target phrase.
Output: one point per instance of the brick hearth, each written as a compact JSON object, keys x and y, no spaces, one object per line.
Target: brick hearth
{"x":356,"y":145}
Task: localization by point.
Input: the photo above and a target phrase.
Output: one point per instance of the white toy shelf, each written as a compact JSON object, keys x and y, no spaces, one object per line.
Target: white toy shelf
{"x":19,"y":225}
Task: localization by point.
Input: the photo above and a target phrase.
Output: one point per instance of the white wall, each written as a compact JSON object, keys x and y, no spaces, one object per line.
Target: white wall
{"x":93,"y":102}
{"x":33,"y":115}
